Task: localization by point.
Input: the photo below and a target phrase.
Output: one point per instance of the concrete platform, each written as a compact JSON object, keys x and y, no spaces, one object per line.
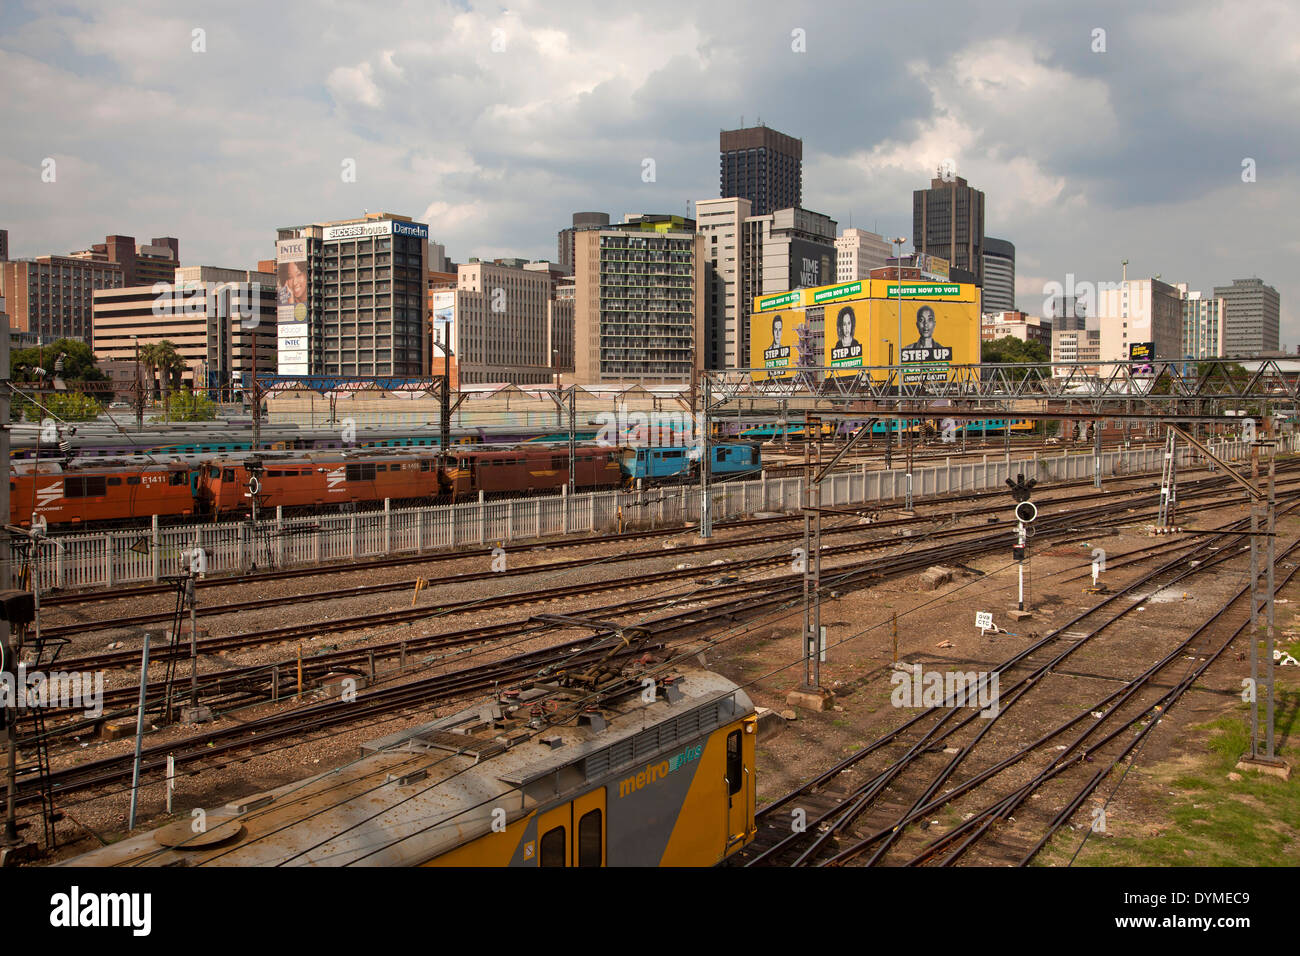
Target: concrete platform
{"x":197,"y":714}
{"x":117,"y":729}
{"x":770,"y":723}
{"x":1275,"y":767}
{"x":818,"y":699}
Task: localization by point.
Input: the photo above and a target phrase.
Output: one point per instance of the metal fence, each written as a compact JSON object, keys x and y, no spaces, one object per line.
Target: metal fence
{"x":105,"y":559}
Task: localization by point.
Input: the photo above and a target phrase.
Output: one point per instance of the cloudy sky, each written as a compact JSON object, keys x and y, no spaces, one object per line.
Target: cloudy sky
{"x":494,"y":123}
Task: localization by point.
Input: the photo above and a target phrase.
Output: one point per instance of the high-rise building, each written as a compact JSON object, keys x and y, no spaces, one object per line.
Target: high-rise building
{"x":559,"y":314}
{"x":1075,"y":345}
{"x":1252,"y":319}
{"x":1140,"y":310}
{"x":858,"y":252}
{"x":763,"y":166}
{"x":638,"y":309}
{"x":141,"y":264}
{"x":353,"y":293}
{"x":948,"y":221}
{"x":51,"y":297}
{"x":999,"y":290}
{"x":582,"y":221}
{"x":1203,"y":324}
{"x":784,"y":250}
{"x":499,"y":318}
{"x":211,"y":315}
{"x":721,"y":223}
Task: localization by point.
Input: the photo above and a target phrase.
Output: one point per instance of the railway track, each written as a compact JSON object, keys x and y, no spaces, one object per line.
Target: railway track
{"x":738,"y":600}
{"x":126,"y":657}
{"x":56,"y":600}
{"x":865,"y":821}
{"x":102,"y":623}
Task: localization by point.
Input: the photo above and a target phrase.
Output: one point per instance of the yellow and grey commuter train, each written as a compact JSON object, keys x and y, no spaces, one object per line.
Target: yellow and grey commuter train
{"x":536,"y":777}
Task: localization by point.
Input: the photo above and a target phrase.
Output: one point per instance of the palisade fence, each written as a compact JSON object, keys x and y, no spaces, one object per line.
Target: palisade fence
{"x":107,"y":559}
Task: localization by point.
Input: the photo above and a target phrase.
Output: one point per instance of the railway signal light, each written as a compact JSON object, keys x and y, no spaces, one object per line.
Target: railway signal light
{"x":1020,"y":488}
{"x":1026,"y":511}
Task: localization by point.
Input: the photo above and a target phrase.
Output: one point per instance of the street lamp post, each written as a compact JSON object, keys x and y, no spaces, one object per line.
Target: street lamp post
{"x":555,"y":366}
{"x":898,"y":275}
{"x":139,"y":393}
{"x":444,"y":437}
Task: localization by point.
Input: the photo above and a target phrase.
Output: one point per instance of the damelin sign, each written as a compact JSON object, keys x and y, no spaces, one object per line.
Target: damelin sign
{"x":385,"y":227}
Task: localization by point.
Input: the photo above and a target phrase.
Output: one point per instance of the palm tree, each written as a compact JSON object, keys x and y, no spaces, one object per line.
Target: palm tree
{"x":149,"y":363}
{"x":170,"y":366}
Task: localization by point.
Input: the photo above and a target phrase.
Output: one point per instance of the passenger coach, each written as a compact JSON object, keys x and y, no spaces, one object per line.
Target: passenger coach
{"x":317,"y":481}
{"x":537,"y":777}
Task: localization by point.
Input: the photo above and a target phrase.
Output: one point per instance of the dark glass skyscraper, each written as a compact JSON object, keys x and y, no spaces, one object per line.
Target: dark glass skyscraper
{"x":948,"y":221}
{"x":763,"y":166}
{"x":999,"y":275}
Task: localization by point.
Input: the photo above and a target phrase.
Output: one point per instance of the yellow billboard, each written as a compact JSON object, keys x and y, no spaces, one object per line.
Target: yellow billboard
{"x":859,"y":328}
{"x":845,"y":323}
{"x":941,"y":327}
{"x":936,"y":335}
{"x":774,"y":343}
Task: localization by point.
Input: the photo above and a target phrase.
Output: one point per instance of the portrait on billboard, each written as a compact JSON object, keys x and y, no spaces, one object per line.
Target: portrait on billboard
{"x":773,"y":339}
{"x":292,"y":283}
{"x":925,"y":348}
{"x":775,"y":345}
{"x":847,"y":349}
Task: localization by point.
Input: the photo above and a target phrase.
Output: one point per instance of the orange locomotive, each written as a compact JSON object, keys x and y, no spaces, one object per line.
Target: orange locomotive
{"x":316,"y":481}
{"x":523,"y":470}
{"x":102,"y":492}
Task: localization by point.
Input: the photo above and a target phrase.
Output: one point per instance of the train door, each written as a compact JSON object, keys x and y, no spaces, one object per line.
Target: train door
{"x":555,"y":836}
{"x":740,"y":787}
{"x":574,"y":834}
{"x":589,"y":829}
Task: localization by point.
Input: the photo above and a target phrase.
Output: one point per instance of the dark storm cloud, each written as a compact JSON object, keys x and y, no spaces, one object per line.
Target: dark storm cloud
{"x":497,"y":123}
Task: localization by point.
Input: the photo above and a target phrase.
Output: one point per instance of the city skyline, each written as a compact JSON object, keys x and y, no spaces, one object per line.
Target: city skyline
{"x":1084,"y":156}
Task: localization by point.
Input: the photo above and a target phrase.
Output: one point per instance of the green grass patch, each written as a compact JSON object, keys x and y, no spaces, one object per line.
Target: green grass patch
{"x":1204,"y":817}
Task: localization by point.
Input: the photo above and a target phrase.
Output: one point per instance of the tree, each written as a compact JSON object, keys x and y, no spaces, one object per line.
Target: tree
{"x":78,"y":362}
{"x":148,"y":358}
{"x":186,"y":406}
{"x":1010,"y":349}
{"x":163,"y":366}
{"x":1216,"y":375}
{"x":65,"y":406}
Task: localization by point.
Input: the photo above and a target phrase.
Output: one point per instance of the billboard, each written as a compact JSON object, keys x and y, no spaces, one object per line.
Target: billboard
{"x":1141,"y":355}
{"x":844,"y":323}
{"x":774,"y":342}
{"x":937,"y":334}
{"x":811,"y":264}
{"x":932,"y":265}
{"x":941,"y":327}
{"x":291,"y":282}
{"x":444,"y":321}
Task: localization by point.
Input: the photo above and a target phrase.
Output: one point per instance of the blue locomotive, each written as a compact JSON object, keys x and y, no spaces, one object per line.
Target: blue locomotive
{"x":650,"y":463}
